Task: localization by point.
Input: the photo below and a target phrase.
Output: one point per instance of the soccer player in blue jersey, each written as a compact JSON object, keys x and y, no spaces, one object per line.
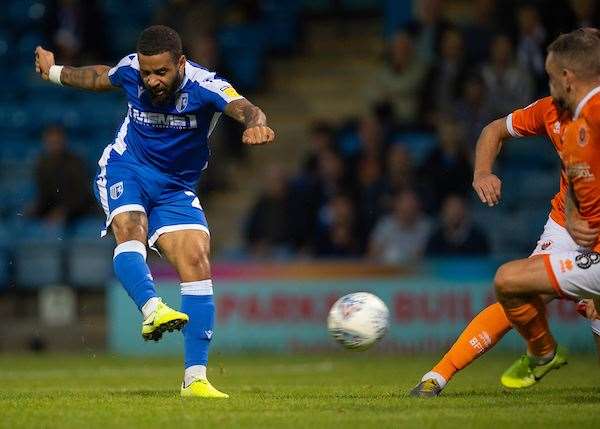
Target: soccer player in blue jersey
{"x":148,"y":175}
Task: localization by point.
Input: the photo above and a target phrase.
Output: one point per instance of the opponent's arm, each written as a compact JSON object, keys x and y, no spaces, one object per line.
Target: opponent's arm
{"x":255,"y":121}
{"x":487,"y":185}
{"x":578,"y":228}
{"x":93,"y":78}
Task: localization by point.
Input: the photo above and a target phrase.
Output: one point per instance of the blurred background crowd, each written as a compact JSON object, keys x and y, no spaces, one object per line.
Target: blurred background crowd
{"x":378,"y":105}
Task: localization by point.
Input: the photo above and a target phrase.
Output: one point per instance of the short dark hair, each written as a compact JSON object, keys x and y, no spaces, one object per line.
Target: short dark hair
{"x":579,"y":51}
{"x":157,"y":39}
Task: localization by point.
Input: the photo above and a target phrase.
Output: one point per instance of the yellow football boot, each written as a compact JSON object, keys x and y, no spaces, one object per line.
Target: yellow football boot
{"x":525,"y":372}
{"x":164,"y":318}
{"x":202,"y":389}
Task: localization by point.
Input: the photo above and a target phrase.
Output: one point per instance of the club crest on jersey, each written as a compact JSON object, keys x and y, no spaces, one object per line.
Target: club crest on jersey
{"x":116,"y":190}
{"x":182,"y":102}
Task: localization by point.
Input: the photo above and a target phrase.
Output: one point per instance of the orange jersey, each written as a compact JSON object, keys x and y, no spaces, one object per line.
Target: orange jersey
{"x":581,"y":157}
{"x":542,"y":117}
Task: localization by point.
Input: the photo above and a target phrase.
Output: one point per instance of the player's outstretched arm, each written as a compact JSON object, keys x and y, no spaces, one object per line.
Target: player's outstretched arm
{"x":257,"y":132}
{"x":487,"y":185}
{"x":93,"y":78}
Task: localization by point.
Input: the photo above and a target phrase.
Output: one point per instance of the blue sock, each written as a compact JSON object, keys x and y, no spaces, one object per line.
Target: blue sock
{"x":197,"y":303}
{"x":132,"y":271}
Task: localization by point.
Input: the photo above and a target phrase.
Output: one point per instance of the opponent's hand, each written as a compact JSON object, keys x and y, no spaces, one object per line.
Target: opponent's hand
{"x":488,"y":187}
{"x":586,"y":308}
{"x":260,"y":134}
{"x":43,"y":61}
{"x":580,"y":230}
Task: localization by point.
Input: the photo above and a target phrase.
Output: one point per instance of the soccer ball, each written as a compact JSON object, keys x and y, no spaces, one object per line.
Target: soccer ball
{"x":358,"y":320}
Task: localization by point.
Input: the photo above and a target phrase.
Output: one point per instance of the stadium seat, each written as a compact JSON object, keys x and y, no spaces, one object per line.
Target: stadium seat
{"x":242,"y":50}
{"x":89,"y":261}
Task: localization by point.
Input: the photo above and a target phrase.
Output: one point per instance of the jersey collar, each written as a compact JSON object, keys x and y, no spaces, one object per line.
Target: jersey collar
{"x":584,"y":100}
{"x":185,"y":77}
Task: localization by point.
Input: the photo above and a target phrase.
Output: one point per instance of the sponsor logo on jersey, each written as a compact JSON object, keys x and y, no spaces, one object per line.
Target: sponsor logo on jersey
{"x":546,"y":244}
{"x":182,"y":102}
{"x":141,"y":91}
{"x":116,"y":190}
{"x":581,"y":170}
{"x":163,"y":120}
{"x":208,"y":334}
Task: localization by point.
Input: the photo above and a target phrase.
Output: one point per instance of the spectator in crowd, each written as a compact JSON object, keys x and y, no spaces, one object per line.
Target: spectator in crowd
{"x":400,"y":172}
{"x":321,"y":138}
{"x":428,"y":28}
{"x":448,"y":168}
{"x":456,"y":235}
{"x":196,"y":22}
{"x":77,"y":28}
{"x":445,"y":76}
{"x":369,"y":193}
{"x":400,"y":237}
{"x":310,"y":192}
{"x":400,"y":81}
{"x":478,"y":34}
{"x":586,"y":13}
{"x":531,"y":46}
{"x":268,"y":227}
{"x":472,"y":110}
{"x":63,"y":184}
{"x":337,"y":230}
{"x":508,"y":86}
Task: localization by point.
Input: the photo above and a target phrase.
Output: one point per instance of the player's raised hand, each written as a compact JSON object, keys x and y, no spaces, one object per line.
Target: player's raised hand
{"x":257,"y":135}
{"x":43,"y":61}
{"x":488,"y":187}
{"x":580,"y":230}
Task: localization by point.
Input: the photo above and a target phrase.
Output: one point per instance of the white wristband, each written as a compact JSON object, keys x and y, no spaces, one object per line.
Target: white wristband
{"x":54,"y":74}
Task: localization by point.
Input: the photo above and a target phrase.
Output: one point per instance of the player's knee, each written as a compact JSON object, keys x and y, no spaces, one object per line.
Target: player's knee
{"x":198,"y":257}
{"x":130,"y":226}
{"x":505,"y":281}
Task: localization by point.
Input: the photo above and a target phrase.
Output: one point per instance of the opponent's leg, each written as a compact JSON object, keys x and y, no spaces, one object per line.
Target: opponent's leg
{"x":188,"y":251}
{"x":480,"y":335}
{"x":129,"y":261}
{"x":519,"y":286}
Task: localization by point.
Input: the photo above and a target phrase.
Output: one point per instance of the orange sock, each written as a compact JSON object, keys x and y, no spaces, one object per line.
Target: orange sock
{"x":484,"y":331}
{"x":530,"y":320}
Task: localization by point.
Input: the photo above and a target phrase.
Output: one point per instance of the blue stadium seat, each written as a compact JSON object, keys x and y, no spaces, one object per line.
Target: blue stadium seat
{"x":38,"y":253}
{"x":418,"y":144}
{"x":89,"y":257}
{"x":242,"y":49}
{"x":281,"y":21}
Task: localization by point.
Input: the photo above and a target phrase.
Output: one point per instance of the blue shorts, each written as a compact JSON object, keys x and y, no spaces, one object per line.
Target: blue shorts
{"x":123,"y":184}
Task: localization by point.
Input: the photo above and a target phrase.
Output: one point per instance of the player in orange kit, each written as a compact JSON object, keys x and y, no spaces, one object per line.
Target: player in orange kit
{"x":573,"y":67}
{"x":543,"y":117}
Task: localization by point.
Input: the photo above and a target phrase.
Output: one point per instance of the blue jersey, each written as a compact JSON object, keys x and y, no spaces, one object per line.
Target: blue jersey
{"x":174,"y":138}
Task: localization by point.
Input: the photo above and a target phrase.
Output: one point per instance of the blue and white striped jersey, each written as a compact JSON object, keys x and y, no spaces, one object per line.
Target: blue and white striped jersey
{"x":173,"y":138}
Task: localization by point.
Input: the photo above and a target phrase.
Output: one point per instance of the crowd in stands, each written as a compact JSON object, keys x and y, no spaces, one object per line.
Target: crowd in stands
{"x":363,"y":191}
{"x":392,"y":186}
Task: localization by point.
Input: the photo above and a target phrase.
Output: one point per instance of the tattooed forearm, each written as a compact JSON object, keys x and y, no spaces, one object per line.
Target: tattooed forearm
{"x":94,"y":78}
{"x":246,"y":113}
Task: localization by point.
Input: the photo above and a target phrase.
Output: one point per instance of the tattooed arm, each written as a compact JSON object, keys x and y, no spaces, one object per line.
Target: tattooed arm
{"x":93,"y":78}
{"x":255,"y":121}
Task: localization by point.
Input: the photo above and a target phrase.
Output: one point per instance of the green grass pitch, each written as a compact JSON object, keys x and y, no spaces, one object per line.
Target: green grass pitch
{"x":355,"y":390}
